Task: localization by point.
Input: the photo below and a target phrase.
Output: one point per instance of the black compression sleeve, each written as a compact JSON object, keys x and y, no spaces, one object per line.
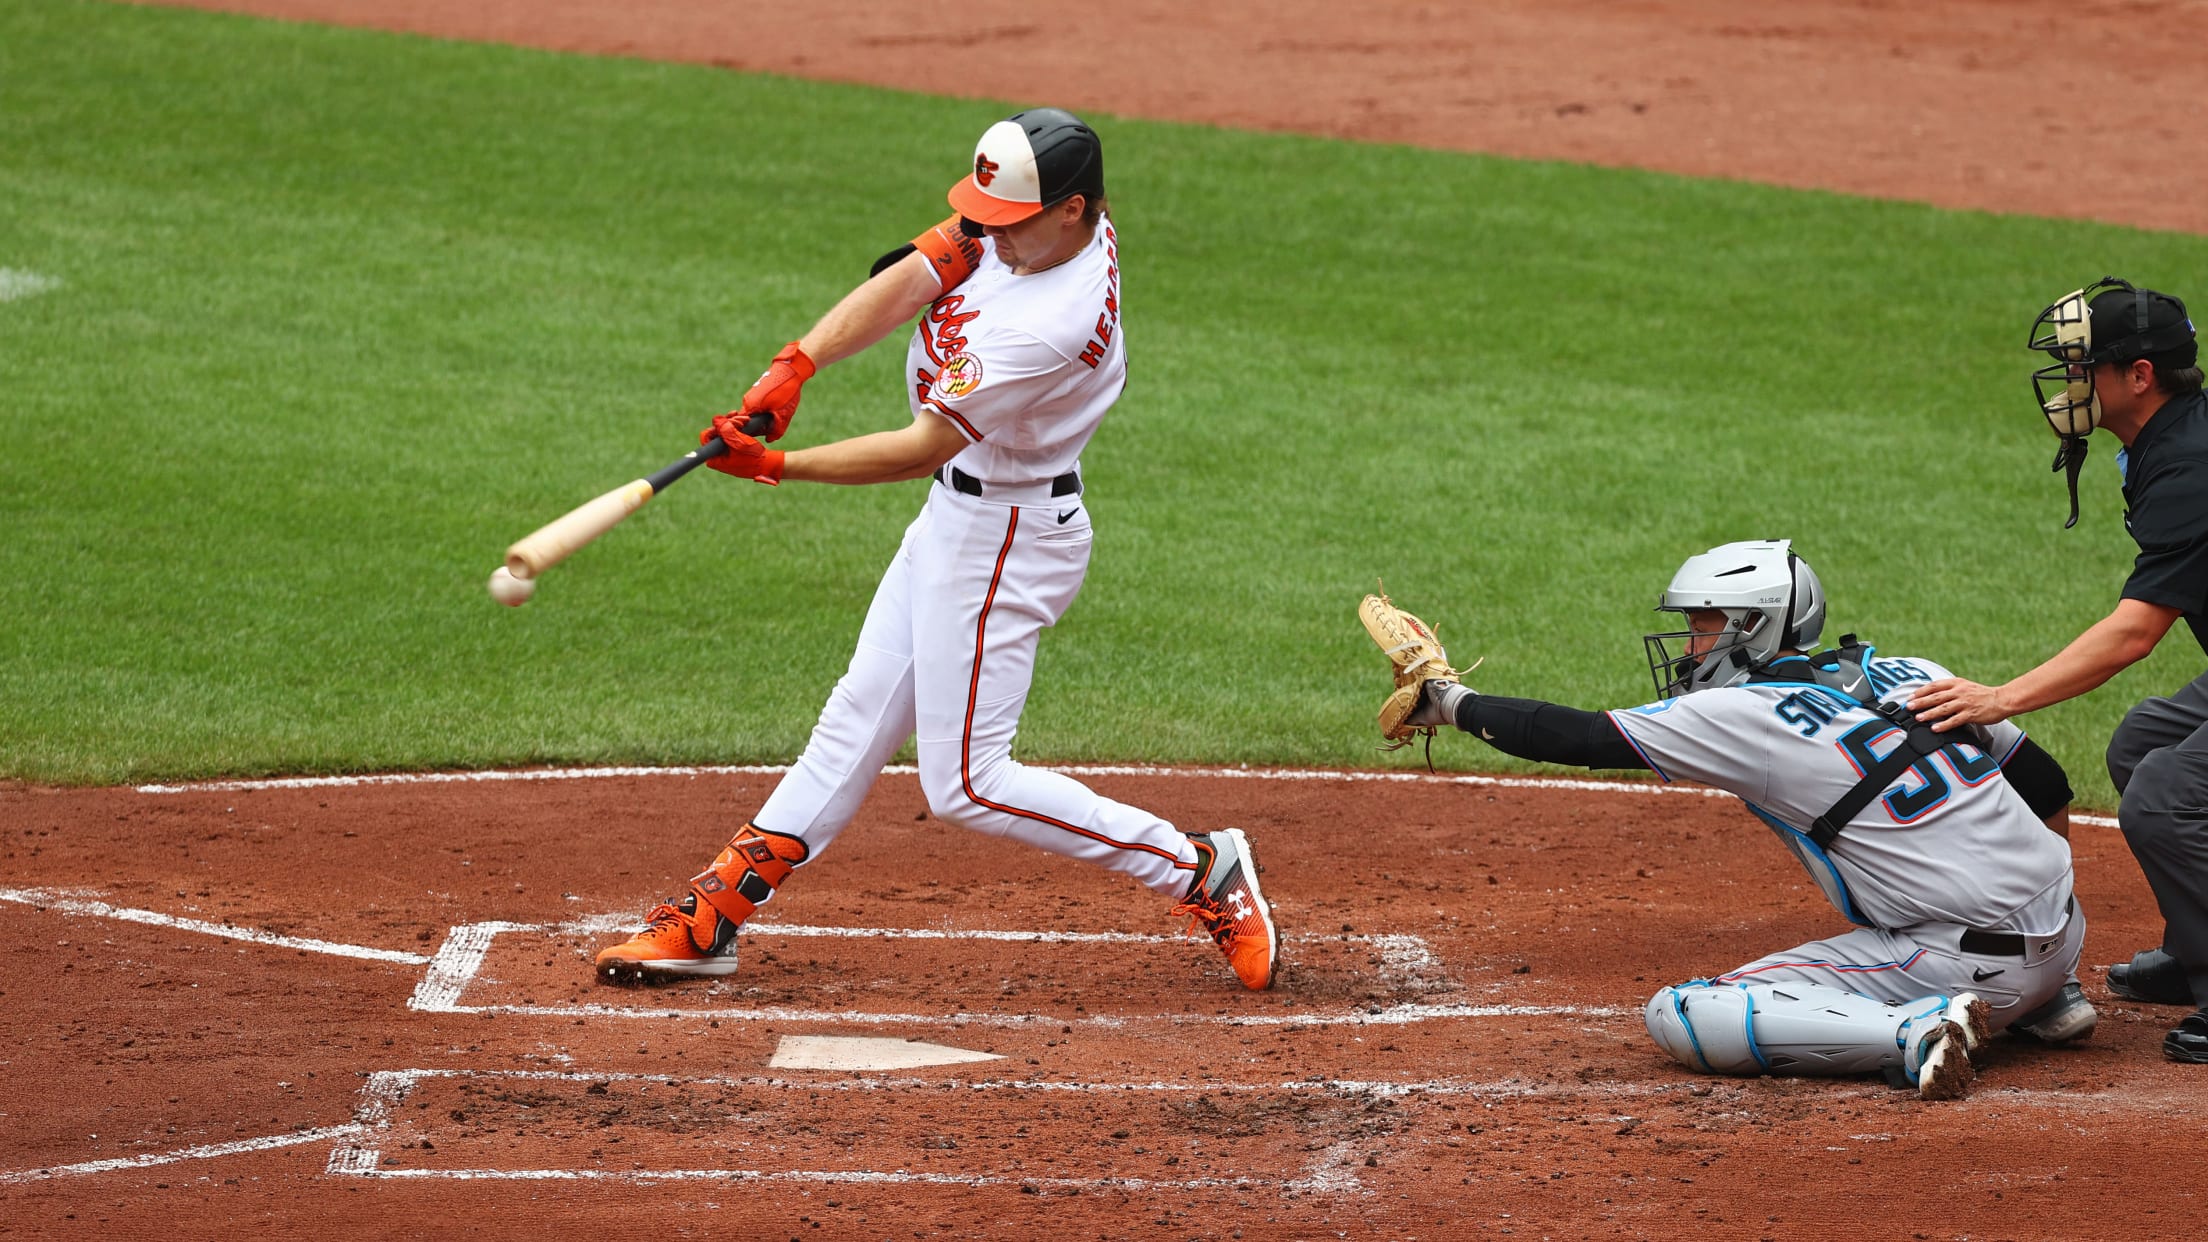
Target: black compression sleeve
{"x":1547,"y":732}
{"x":2032,"y":772}
{"x":890,"y":260}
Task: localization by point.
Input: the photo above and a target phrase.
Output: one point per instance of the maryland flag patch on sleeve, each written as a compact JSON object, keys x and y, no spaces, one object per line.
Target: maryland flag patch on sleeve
{"x":961,"y":374}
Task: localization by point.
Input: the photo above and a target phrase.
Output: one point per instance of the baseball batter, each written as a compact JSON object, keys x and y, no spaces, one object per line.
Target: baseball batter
{"x":1945,"y":850}
{"x":1017,"y":356}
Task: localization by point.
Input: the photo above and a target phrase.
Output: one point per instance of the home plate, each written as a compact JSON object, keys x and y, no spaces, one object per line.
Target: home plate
{"x":866,"y":1052}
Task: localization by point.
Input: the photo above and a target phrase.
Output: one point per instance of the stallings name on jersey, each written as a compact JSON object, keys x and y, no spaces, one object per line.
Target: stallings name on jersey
{"x":1813,"y":707}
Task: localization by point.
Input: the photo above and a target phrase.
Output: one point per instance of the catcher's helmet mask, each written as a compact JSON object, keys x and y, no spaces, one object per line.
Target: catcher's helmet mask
{"x":1772,"y":601}
{"x":2108,"y":321}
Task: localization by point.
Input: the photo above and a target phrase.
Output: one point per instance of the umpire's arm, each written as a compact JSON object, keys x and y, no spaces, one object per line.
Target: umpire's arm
{"x":2113,"y":644}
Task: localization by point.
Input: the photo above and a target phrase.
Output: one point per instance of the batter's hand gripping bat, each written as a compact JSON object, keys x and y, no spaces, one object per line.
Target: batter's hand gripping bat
{"x":563,"y":536}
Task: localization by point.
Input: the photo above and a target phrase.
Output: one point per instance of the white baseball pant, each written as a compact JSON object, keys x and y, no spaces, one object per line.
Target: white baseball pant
{"x":947,"y":655}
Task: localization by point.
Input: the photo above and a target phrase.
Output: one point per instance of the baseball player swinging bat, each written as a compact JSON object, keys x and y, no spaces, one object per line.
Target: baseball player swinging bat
{"x":514,"y":582}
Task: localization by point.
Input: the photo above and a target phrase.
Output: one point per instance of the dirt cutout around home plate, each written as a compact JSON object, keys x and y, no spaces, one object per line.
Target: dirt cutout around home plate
{"x":2087,"y":109}
{"x":367,"y":1008}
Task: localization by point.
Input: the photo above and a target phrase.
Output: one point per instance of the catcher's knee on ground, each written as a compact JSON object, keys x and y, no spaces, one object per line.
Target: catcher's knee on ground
{"x":1794,"y":1029}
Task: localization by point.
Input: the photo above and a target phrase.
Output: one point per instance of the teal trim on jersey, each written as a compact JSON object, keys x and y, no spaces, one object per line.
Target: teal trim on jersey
{"x":1647,"y":710}
{"x":1828,"y":880}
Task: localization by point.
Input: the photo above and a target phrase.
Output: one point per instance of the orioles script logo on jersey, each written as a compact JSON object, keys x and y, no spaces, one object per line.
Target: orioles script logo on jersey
{"x":947,"y":327}
{"x":961,"y":374}
{"x":985,"y":169}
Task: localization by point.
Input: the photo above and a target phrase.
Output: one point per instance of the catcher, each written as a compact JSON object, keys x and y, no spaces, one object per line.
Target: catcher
{"x":1948,"y":851}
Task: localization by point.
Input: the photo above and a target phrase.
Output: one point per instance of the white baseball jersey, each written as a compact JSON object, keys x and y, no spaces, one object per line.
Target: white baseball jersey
{"x":1949,"y":842}
{"x":1025,"y":365}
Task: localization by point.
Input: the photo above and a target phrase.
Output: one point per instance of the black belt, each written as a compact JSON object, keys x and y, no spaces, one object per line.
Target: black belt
{"x":2008,"y":944}
{"x":1067,"y":484}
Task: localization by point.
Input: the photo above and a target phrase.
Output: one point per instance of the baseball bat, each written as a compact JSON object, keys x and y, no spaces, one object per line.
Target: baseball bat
{"x":563,"y":536}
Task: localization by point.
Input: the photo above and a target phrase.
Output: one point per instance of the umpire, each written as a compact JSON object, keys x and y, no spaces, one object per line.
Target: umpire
{"x":2126,"y":361}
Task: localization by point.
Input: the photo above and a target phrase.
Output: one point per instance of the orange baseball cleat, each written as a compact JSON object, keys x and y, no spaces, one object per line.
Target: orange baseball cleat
{"x":1225,"y":901}
{"x":696,"y":938}
{"x":676,"y":943}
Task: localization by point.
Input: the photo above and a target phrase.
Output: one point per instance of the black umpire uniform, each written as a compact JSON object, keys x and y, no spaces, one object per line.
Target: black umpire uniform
{"x":2159,"y":755}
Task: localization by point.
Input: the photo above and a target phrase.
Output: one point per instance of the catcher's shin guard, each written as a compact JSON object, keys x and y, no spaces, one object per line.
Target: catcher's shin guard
{"x":1808,"y":1029}
{"x":747,"y":872}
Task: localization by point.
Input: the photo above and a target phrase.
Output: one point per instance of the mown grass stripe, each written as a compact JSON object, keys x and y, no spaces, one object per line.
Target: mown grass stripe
{"x":346,"y":312}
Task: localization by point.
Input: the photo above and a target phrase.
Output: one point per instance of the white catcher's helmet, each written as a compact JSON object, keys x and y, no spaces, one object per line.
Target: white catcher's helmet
{"x":1772,"y":602}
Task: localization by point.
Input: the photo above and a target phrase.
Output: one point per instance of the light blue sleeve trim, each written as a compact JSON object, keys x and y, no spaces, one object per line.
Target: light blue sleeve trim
{"x":1834,"y":888}
{"x":1638,"y":749}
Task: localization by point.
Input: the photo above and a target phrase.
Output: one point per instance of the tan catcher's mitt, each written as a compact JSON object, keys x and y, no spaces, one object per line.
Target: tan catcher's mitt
{"x":1411,"y":646}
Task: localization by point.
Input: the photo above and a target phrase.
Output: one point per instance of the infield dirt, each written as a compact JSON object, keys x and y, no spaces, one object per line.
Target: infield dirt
{"x":1454,"y":1046}
{"x":2083,"y":109}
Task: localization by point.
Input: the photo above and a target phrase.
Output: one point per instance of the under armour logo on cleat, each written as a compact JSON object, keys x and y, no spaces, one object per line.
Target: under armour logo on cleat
{"x":1240,"y":902}
{"x":1980,"y":976}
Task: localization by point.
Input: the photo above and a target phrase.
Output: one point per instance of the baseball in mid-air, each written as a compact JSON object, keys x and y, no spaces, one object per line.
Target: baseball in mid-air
{"x":509,"y":590}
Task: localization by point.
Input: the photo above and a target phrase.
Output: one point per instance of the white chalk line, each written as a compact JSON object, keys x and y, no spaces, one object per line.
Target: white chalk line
{"x":207,"y":1152}
{"x":1401,"y":945}
{"x":906,"y":769}
{"x":17,"y":284}
{"x":466,"y":947}
{"x":454,"y":967}
{"x":1399,"y":951}
{"x":386,"y":1090}
{"x":1392,"y":1015}
{"x":48,"y":899}
{"x":458,"y":960}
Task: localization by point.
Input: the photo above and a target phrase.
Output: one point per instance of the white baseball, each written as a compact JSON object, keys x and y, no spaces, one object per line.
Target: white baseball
{"x":509,"y":590}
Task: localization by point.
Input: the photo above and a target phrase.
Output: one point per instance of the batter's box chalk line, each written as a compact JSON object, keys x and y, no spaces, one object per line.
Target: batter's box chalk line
{"x":1404,"y":959}
{"x":206,"y":1151}
{"x":82,"y":905}
{"x":460,"y":958}
{"x":1071,"y":769}
{"x":359,"y":1153}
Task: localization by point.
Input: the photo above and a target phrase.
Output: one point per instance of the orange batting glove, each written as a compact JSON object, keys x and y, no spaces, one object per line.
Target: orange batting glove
{"x":777,"y":391}
{"x":746,"y":458}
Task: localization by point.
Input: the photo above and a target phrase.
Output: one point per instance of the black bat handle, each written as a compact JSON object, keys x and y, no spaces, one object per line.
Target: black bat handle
{"x":667,"y":474}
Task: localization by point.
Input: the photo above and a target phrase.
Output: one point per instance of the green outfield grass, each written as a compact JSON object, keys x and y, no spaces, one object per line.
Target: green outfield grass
{"x":340,"y":314}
